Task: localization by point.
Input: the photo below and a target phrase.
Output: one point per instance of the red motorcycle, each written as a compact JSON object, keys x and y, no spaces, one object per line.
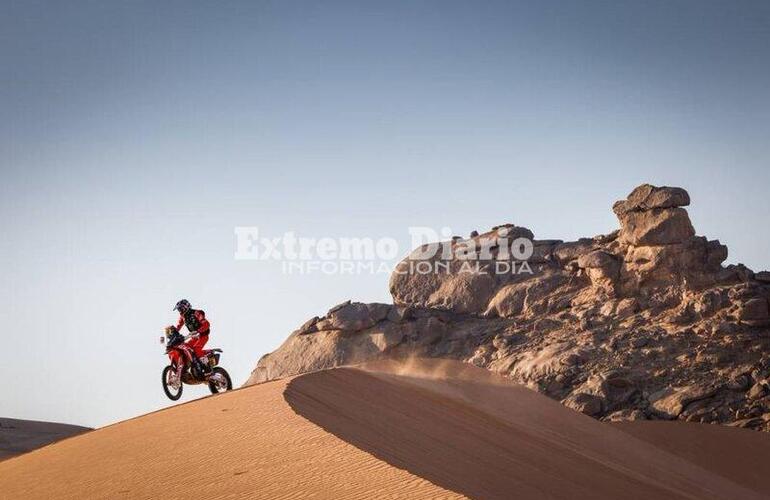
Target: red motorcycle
{"x":203,"y":370}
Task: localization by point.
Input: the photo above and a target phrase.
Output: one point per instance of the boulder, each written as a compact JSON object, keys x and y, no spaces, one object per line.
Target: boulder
{"x":512,"y":231}
{"x":599,"y":259}
{"x":659,"y":226}
{"x":602,"y":268}
{"x":460,"y":275}
{"x":467,"y":292}
{"x":378,"y":311}
{"x":386,"y":338}
{"x":353,"y":316}
{"x":647,"y":197}
{"x":413,"y":280}
{"x":670,"y":402}
{"x":508,"y":301}
{"x":614,"y":387}
{"x":652,"y":215}
{"x":587,"y":404}
{"x":308,"y":353}
{"x":572,"y":250}
{"x":550,"y":360}
{"x":696,"y":256}
{"x":521,"y":298}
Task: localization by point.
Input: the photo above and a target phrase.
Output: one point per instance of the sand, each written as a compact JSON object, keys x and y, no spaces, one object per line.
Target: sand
{"x":21,"y":436}
{"x":742,"y":456}
{"x":245,"y":444}
{"x":430,"y":430}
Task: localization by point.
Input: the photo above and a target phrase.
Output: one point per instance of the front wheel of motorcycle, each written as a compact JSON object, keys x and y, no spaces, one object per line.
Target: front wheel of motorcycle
{"x":219,"y":381}
{"x":171,"y":391}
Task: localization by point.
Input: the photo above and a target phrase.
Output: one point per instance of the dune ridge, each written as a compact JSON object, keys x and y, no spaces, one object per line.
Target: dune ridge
{"x":243,"y":444}
{"x":471,"y":431}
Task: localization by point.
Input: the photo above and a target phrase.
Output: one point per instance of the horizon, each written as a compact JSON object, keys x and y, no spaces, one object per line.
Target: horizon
{"x":139,"y":137}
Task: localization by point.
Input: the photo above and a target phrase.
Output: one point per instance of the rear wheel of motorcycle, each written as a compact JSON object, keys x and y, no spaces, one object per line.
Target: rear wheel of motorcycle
{"x":221,"y":387}
{"x":172,"y":395}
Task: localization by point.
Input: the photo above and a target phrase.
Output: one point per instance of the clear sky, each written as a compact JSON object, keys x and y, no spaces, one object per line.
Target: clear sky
{"x":135,"y":136}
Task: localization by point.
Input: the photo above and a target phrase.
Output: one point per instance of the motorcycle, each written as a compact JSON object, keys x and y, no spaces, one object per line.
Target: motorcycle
{"x":203,"y":370}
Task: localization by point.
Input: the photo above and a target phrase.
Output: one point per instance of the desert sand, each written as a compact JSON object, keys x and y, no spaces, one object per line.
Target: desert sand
{"x":21,"y":436}
{"x":421,"y":430}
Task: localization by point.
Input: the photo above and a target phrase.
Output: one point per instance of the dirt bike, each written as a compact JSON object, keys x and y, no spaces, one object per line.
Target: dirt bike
{"x":203,"y":370}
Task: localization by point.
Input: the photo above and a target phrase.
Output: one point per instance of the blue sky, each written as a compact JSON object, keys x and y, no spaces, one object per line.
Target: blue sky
{"x":136,"y":136}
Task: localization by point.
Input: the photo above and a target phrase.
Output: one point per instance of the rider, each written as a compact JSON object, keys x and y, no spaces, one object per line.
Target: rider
{"x":196,"y":322}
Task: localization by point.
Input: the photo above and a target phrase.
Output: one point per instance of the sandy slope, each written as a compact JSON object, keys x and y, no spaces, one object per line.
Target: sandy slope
{"x":469,"y":431}
{"x":426,"y":431}
{"x":742,"y":456}
{"x":21,"y":436}
{"x":245,"y":444}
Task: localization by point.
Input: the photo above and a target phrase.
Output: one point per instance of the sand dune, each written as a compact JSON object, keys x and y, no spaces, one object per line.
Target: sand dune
{"x":245,"y":444}
{"x":21,"y":436}
{"x":425,"y":430}
{"x":741,"y":456}
{"x":469,"y":431}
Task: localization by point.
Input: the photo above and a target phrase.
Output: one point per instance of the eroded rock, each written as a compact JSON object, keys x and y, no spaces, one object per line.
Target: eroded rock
{"x":587,"y":404}
{"x":671,"y":401}
{"x":643,"y":322}
{"x":656,"y":227}
{"x":648,"y":197}
{"x":353,"y":316}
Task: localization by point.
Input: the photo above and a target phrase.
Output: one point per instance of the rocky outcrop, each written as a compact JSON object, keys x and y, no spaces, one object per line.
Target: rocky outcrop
{"x":642,"y":323}
{"x":652,"y":216}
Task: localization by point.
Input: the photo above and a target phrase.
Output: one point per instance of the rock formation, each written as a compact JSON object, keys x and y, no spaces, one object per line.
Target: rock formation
{"x":642,"y":323}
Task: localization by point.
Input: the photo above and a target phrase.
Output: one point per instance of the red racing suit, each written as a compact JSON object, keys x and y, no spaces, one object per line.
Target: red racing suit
{"x":195,"y":321}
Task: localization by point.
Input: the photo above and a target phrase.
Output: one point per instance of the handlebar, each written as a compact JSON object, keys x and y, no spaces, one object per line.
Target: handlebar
{"x":186,"y":337}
